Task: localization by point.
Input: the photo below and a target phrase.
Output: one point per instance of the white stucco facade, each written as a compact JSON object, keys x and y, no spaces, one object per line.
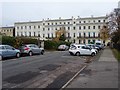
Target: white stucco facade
{"x":78,"y":30}
{"x":119,"y":4}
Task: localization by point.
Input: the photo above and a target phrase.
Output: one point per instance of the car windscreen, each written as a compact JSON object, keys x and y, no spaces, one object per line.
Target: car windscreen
{"x":2,"y":47}
{"x":73,"y":47}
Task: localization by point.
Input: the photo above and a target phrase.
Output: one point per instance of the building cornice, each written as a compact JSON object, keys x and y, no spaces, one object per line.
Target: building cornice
{"x":7,"y":27}
{"x":56,"y":20}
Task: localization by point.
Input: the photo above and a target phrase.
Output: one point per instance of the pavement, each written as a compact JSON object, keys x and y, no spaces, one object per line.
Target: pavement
{"x":101,"y":73}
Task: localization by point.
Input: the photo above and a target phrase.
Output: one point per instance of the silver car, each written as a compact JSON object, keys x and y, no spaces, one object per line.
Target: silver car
{"x":93,"y":47}
{"x":63,"y":47}
{"x":9,"y":51}
{"x":31,"y":49}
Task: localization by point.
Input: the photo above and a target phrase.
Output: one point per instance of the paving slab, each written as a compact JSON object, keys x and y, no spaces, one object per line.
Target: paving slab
{"x":102,"y":73}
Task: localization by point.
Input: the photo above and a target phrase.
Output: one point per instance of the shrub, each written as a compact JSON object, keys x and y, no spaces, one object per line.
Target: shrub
{"x":8,"y":40}
{"x":117,"y":46}
{"x":116,"y":54}
{"x":18,"y":41}
{"x":50,"y":45}
{"x":29,"y":41}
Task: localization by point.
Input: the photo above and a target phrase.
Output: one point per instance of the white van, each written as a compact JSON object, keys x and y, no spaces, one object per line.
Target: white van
{"x":99,"y":44}
{"x":81,"y":49}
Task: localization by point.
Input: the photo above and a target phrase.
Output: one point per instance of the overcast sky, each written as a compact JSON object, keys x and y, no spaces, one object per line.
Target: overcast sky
{"x":34,"y":10}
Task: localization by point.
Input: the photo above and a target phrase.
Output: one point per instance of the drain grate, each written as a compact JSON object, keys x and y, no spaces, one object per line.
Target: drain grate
{"x":61,"y":80}
{"x":49,"y":67}
{"x":20,"y":78}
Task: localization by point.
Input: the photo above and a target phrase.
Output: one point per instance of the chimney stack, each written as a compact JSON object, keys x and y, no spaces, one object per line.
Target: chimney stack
{"x":91,"y":16}
{"x":59,"y":17}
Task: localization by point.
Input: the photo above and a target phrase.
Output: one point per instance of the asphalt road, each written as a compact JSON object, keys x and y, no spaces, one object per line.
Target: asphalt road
{"x":51,"y":70}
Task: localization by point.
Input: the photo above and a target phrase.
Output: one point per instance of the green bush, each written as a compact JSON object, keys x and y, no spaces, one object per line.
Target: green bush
{"x":50,"y":45}
{"x":8,"y":40}
{"x":116,"y":54}
{"x":29,"y":41}
{"x":18,"y":41}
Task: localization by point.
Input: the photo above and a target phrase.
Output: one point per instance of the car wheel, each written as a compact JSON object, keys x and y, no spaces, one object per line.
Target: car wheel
{"x":77,"y":54}
{"x":42,"y":52}
{"x":17,"y":55}
{"x":93,"y":54}
{"x":71,"y":54}
{"x":96,"y":52}
{"x":30,"y":53}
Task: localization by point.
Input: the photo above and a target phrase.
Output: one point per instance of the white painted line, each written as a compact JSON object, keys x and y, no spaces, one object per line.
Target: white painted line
{"x":74,"y":76}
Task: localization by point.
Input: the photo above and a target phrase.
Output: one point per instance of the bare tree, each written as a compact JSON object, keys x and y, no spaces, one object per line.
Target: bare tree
{"x":114,"y":26}
{"x":104,"y":33}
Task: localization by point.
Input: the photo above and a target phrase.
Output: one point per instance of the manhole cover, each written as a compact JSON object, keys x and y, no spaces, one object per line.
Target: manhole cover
{"x":20,"y":78}
{"x":49,"y":67}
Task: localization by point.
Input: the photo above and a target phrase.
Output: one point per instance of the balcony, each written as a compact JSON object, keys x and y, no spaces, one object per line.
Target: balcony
{"x":88,"y":37}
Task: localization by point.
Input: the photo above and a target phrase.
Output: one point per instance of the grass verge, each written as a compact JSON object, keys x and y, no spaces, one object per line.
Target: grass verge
{"x":116,"y":54}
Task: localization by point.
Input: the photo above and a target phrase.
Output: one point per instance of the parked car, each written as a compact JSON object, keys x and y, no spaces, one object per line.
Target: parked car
{"x":99,"y":45}
{"x":9,"y":51}
{"x":63,"y":47}
{"x":93,"y":47}
{"x":80,"y":49}
{"x":31,"y":49}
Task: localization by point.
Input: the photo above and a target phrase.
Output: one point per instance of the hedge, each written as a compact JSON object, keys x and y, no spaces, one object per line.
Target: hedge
{"x":8,"y":40}
{"x":117,"y":46}
{"x":18,"y":41}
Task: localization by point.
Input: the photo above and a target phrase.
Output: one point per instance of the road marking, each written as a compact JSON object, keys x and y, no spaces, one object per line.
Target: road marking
{"x":74,"y":77}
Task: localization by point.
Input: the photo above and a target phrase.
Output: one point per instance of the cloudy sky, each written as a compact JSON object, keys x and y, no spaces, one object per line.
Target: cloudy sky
{"x":36,"y":10}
